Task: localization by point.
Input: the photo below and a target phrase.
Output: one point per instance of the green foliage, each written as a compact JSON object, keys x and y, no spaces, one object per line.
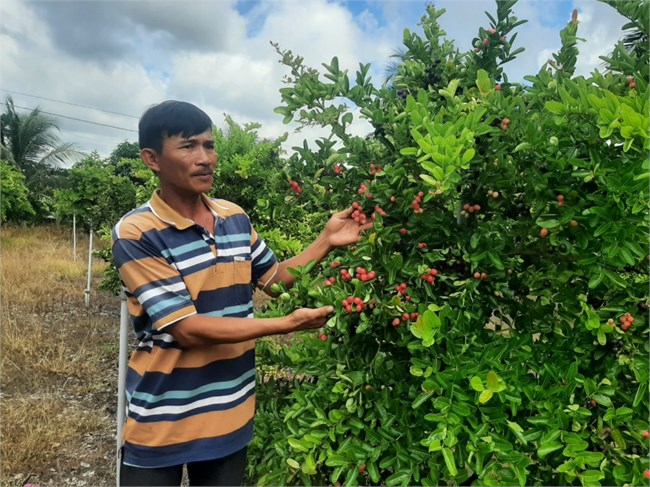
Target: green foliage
{"x":510,"y":247}
{"x":30,"y":143}
{"x":95,"y":193}
{"x":14,"y":205}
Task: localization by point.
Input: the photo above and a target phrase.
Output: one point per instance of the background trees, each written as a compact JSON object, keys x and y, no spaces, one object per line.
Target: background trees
{"x":30,"y":144}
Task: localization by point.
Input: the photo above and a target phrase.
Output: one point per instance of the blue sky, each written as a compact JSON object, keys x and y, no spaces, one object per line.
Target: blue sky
{"x":123,"y":56}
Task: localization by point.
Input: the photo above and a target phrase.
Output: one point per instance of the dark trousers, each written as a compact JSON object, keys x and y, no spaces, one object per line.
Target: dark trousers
{"x":222,"y":471}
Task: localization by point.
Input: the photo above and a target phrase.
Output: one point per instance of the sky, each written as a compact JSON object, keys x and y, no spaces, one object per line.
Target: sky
{"x":97,"y":65}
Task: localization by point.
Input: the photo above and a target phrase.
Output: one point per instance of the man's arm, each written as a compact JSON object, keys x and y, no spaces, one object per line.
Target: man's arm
{"x":199,"y":330}
{"x":339,"y":231}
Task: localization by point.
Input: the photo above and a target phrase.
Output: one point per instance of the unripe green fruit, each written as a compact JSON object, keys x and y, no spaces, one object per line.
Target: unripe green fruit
{"x":553,"y":140}
{"x":285,"y":296}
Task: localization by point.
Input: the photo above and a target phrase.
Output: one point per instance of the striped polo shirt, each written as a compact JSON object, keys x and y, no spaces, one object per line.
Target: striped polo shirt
{"x":195,"y":404}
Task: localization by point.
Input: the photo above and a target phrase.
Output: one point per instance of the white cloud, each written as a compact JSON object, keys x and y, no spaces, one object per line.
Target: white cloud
{"x":138,"y":53}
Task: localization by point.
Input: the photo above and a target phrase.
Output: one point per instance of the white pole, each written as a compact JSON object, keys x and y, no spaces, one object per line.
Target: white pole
{"x":74,"y":237}
{"x":121,"y":377}
{"x":90,"y":265}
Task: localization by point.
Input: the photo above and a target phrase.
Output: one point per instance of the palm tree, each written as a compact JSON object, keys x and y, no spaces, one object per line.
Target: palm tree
{"x":29,"y":142}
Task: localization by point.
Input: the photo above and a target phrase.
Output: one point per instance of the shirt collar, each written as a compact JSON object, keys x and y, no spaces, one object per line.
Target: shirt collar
{"x":170,"y":216}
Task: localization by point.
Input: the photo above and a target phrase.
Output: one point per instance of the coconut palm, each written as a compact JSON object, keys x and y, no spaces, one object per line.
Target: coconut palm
{"x":29,"y":143}
{"x":29,"y":140}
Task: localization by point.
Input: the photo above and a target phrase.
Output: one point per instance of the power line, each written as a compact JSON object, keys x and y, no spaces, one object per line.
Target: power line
{"x":78,"y":119}
{"x":69,"y":103}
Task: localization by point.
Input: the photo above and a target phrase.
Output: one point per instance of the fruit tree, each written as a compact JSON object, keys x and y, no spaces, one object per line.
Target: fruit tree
{"x":491,"y":328}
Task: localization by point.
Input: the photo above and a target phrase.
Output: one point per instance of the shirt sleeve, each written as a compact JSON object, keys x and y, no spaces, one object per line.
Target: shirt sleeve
{"x":154,"y":282}
{"x":264,"y":260}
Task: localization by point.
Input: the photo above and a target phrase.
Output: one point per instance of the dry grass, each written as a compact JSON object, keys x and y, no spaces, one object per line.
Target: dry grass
{"x":58,"y":362}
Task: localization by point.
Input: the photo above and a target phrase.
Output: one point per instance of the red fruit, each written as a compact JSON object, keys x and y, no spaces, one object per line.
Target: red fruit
{"x":560,"y":198}
{"x":466,"y":207}
{"x":393,"y":199}
{"x":422,"y":245}
{"x":543,"y":232}
{"x":335,"y":264}
{"x":322,"y":337}
{"x":405,"y":317}
{"x":497,"y":87}
{"x":646,"y":473}
{"x":403,"y":231}
{"x":477,"y":207}
{"x":491,"y":30}
{"x":477,"y":275}
{"x":484,"y":276}
{"x":632,"y":84}
{"x":396,"y":322}
{"x":433,"y":272}
{"x":626,"y":326}
{"x":486,"y":41}
{"x":414,"y":316}
{"x":574,"y":223}
{"x":645,"y":434}
{"x":506,"y":120}
{"x":362,"y":468}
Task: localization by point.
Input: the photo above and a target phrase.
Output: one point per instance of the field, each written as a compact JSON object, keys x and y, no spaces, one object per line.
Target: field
{"x":59,"y":362}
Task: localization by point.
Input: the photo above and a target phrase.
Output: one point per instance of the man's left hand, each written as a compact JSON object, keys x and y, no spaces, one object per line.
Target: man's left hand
{"x":342,"y":230}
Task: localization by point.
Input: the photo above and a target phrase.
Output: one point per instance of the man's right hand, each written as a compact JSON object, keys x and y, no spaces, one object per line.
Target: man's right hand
{"x":309,"y":318}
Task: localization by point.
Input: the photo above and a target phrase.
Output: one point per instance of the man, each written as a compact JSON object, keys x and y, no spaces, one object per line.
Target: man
{"x":188,"y":264}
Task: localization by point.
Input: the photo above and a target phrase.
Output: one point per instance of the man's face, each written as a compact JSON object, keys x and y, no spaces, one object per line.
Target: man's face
{"x":185,"y":165}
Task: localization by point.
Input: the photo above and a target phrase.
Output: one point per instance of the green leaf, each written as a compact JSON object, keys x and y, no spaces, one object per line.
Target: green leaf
{"x":596,"y":278}
{"x":293,"y":464}
{"x":549,"y":447}
{"x":603,"y":400}
{"x":616,"y":279}
{"x":449,"y":461}
{"x":522,"y":146}
{"x":555,"y":107}
{"x":483,"y":82}
{"x":485,"y":396}
{"x":477,"y":383}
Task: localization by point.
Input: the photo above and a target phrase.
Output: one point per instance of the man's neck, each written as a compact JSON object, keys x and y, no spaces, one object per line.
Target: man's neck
{"x":192,"y":208}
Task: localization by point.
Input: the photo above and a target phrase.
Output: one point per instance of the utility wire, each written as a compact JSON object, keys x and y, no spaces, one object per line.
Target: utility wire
{"x":78,"y":119}
{"x":69,"y":103}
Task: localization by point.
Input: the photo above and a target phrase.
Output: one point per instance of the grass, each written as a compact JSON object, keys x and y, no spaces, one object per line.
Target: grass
{"x":58,"y":362}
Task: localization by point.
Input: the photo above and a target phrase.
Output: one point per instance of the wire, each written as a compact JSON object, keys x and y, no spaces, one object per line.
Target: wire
{"x":69,"y":103}
{"x":78,"y":119}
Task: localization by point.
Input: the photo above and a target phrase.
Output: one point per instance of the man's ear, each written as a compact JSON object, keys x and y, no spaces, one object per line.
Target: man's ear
{"x":150,"y":158}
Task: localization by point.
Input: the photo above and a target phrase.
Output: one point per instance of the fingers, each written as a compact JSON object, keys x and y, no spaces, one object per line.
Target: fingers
{"x":307,"y":318}
{"x":344,"y":213}
{"x":366,"y":226}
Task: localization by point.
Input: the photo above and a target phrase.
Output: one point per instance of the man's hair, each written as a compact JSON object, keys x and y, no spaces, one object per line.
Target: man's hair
{"x":168,"y":119}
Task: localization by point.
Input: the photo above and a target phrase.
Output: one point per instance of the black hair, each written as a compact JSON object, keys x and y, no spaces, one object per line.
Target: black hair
{"x":170,"y":118}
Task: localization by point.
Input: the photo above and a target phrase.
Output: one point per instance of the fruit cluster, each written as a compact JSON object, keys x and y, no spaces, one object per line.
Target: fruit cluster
{"x":430,"y":276}
{"x":295,"y":187}
{"x":480,"y":275}
{"x":378,"y":209}
{"x":415,"y":204}
{"x":338,"y":168}
{"x":504,"y":123}
{"x":375,"y":168}
{"x":626,"y":321}
{"x":345,"y":275}
{"x":630,"y":80}
{"x":363,"y":190}
{"x":363,"y":275}
{"x":358,"y":215}
{"x":468,"y":209}
{"x":329,"y":282}
{"x":353,"y":304}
